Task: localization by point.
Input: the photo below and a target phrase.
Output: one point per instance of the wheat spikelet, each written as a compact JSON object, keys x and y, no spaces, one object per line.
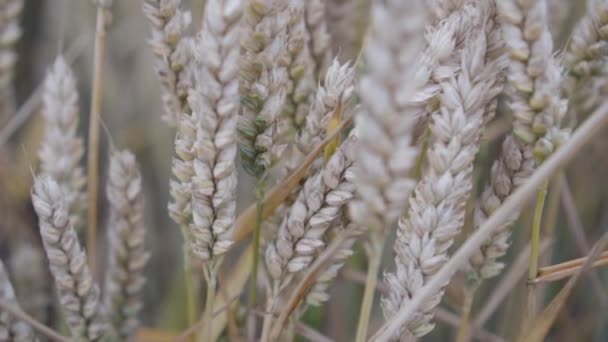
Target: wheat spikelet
{"x":322,"y":200}
{"x":169,"y":24}
{"x":437,"y":206}
{"x":263,"y":84}
{"x":215,"y":105}
{"x":11,"y":329}
{"x":127,"y":254}
{"x":533,"y":89}
{"x":319,"y":36}
{"x":78,"y":294}
{"x":62,"y":149}
{"x":10,"y":32}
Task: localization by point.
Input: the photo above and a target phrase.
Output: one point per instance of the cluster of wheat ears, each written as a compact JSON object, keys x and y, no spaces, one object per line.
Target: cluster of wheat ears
{"x":342,"y":152}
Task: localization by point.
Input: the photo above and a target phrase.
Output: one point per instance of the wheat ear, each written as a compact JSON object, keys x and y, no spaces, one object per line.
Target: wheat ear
{"x":319,"y":36}
{"x":127,"y":253}
{"x":62,"y":149}
{"x":264,"y":79}
{"x":215,"y":105}
{"x":10,"y":33}
{"x":11,"y":329}
{"x":437,"y":206}
{"x":533,"y":89}
{"x":78,"y":294}
{"x":320,"y":203}
{"x":171,"y":49}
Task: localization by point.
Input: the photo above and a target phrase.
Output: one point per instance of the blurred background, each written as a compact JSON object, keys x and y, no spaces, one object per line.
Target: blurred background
{"x":576,"y":212}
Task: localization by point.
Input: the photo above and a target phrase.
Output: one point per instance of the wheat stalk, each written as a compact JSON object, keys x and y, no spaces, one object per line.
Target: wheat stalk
{"x":437,"y":207}
{"x":127,"y":254}
{"x":11,"y":328}
{"x":171,"y":48}
{"x":78,"y":294}
{"x":264,"y":79}
{"x":62,"y":149}
{"x":533,"y":89}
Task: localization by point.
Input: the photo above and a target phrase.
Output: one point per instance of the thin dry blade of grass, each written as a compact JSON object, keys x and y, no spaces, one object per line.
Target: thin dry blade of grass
{"x":276,"y":196}
{"x":568,"y":269}
{"x":541,"y":325}
{"x":513,"y":203}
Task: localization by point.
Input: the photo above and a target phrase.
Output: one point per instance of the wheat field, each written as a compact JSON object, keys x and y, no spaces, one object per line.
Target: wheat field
{"x":303,"y":170}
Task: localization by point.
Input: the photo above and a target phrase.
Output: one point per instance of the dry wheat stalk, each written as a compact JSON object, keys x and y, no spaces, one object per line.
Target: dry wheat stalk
{"x":263,"y":84}
{"x":321,"y":202}
{"x":319,"y":36}
{"x":533,"y":89}
{"x":11,"y":329}
{"x":171,"y":48}
{"x":300,"y":70}
{"x":437,"y":207}
{"x":78,"y":294}
{"x":215,"y":105}
{"x":127,"y":254}
{"x":62,"y":149}
{"x":10,"y":32}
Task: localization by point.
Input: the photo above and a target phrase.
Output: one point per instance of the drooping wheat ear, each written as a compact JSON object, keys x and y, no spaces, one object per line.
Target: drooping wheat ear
{"x":437,"y":206}
{"x":169,"y":28}
{"x":589,"y":42}
{"x":320,"y":203}
{"x":320,"y":41}
{"x":264,"y":77}
{"x":386,"y":122}
{"x":533,"y":88}
{"x":11,"y":329}
{"x":78,"y":294}
{"x":127,"y":254}
{"x":62,"y":149}
{"x":10,"y":32}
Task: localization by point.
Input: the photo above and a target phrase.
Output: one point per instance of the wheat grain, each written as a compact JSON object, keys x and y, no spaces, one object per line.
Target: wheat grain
{"x":62,"y":149}
{"x":10,"y":33}
{"x":169,"y":25}
{"x":78,"y":294}
{"x":215,"y":106}
{"x":11,"y":329}
{"x":322,"y":200}
{"x":263,"y":84}
{"x":437,"y":207}
{"x":127,"y":253}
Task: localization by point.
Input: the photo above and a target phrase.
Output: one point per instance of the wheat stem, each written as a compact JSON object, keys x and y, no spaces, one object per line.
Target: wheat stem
{"x":190,"y":296}
{"x":39,"y":327}
{"x":374,"y":253}
{"x":253,"y":287}
{"x":211,"y":279}
{"x":467,"y":304}
{"x":93,"y":150}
